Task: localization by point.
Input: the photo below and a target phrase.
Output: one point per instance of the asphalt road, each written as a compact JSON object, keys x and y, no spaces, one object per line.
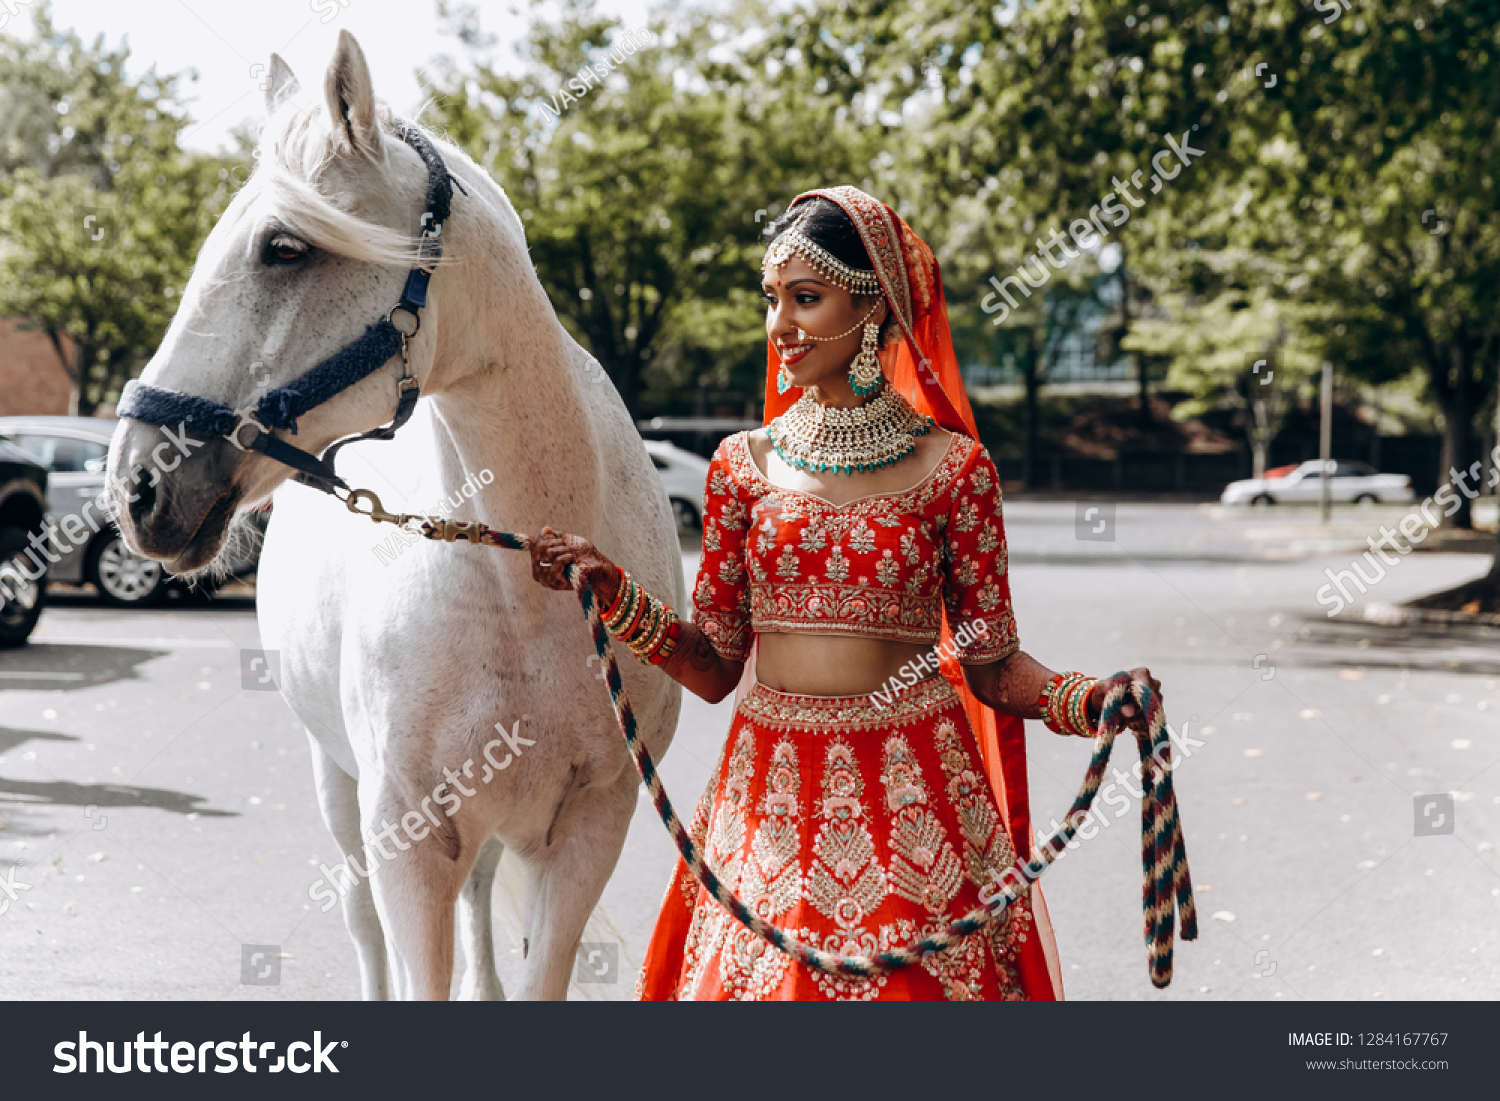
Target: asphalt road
{"x":158,"y":807}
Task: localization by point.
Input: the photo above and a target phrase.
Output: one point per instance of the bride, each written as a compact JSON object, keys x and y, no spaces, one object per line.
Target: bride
{"x":854,"y":589}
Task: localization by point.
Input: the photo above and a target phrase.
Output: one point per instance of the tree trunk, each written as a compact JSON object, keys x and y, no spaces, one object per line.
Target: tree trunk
{"x":83,"y":359}
{"x":1260,"y":437}
{"x":1032,"y":379}
{"x":1458,"y":440}
{"x":1143,"y":377}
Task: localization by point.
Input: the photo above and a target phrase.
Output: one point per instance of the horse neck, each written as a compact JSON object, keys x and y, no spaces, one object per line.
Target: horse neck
{"x":504,"y":388}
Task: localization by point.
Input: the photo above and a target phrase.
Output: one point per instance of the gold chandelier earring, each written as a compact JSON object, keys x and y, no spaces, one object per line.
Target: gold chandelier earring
{"x":864,"y":372}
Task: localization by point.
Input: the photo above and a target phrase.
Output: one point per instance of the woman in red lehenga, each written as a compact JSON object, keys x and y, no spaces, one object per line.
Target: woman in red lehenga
{"x":853,"y":586}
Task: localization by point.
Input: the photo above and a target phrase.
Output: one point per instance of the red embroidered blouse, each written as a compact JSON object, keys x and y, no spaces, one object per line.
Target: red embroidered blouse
{"x":777,"y":559}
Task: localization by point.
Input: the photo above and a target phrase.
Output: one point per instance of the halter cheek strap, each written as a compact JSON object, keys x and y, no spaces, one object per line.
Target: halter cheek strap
{"x":250,"y":428}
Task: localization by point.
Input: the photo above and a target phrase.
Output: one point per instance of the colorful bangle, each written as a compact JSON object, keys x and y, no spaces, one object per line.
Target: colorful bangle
{"x":619,"y":594}
{"x":647,"y":626}
{"x":1064,"y":704}
{"x":619,"y":611}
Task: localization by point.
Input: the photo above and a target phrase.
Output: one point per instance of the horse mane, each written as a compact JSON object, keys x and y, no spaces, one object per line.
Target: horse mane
{"x":295,"y":150}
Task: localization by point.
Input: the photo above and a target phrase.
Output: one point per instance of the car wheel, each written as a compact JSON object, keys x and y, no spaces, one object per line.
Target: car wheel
{"x":21,"y":598}
{"x":1262,"y":499}
{"x":685,"y":514}
{"x":124,"y":578}
{"x":1367,"y":499}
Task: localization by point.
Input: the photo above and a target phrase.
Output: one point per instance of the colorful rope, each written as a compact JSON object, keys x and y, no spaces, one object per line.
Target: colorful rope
{"x":1167,"y":889}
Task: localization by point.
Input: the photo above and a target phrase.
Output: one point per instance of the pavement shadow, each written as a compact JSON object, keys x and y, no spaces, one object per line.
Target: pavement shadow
{"x":10,"y":737}
{"x":66,"y":793}
{"x":230,"y":598}
{"x":1420,"y":647}
{"x":65,"y":666}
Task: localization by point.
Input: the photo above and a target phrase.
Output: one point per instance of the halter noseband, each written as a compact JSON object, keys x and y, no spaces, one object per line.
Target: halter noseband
{"x":249,"y":429}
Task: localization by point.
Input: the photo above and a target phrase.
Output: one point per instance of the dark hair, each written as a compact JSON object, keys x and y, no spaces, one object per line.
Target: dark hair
{"x":824,"y":222}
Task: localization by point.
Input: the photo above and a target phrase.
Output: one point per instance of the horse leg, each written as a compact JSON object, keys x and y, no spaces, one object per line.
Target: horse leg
{"x":476,"y":929}
{"x":567,"y":878}
{"x":338,"y":798}
{"x":417,"y":882}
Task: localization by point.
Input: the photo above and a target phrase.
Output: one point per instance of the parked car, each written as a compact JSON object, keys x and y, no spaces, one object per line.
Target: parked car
{"x":684,"y":475}
{"x":1348,"y":482}
{"x":75,"y":450}
{"x":23,"y":507}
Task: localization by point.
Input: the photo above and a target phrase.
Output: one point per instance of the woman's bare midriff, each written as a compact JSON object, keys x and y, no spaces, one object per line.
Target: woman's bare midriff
{"x":833,"y":665}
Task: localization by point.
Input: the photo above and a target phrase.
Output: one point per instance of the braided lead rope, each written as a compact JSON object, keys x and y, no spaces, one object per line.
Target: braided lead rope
{"x":1167,"y":890}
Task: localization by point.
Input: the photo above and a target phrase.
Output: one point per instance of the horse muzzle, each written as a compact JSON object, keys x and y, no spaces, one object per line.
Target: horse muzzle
{"x":174,"y":494}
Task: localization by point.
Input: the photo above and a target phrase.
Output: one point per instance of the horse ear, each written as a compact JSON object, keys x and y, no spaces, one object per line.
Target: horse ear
{"x":351,"y":97}
{"x":281,"y":84}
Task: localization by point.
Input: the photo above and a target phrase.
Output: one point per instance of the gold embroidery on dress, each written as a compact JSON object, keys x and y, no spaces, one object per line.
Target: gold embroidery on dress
{"x":788,"y":711}
{"x":987,"y":846}
{"x":787,"y":567}
{"x":813,"y":538}
{"x":909,"y":549}
{"x":862,"y":537}
{"x":924,"y":867}
{"x":771,"y":883}
{"x":845,"y":882}
{"x":723,"y":856}
{"x":730,"y":571}
{"x":837,"y":568}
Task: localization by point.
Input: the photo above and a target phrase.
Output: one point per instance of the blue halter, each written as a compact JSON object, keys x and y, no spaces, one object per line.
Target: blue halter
{"x":249,"y":429}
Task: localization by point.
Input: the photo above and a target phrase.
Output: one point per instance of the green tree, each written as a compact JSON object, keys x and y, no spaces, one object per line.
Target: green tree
{"x":1004,"y":127}
{"x":101,"y":212}
{"x":644,"y":191}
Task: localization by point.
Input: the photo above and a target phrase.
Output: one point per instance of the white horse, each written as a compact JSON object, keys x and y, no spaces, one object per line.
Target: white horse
{"x":402,"y":664}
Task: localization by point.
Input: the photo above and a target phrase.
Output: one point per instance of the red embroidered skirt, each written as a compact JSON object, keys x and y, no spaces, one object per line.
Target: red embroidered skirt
{"x":858,"y":825}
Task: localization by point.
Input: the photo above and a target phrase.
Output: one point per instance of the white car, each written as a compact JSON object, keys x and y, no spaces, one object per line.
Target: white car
{"x":1355,"y":483}
{"x":684,"y":475}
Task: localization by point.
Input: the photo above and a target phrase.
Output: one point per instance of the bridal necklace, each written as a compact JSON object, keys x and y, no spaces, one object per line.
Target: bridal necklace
{"x":829,"y":439}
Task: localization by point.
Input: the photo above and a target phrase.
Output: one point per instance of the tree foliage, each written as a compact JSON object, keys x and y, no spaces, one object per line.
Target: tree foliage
{"x":644,"y":193}
{"x":101,"y":212}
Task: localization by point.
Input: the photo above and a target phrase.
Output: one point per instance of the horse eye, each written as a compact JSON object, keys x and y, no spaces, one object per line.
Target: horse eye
{"x":284,"y":249}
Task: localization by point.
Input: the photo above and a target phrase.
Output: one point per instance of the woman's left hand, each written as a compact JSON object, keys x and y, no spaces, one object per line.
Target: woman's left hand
{"x":1133,"y":719}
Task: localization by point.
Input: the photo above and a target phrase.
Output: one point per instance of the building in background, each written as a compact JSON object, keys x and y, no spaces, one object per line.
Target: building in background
{"x":34,"y":380}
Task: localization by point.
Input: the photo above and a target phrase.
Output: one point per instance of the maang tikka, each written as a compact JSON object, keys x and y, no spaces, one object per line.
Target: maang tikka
{"x":864,"y":372}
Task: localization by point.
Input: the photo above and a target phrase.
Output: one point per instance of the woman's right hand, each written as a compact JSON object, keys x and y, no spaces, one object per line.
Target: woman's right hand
{"x":551,"y":551}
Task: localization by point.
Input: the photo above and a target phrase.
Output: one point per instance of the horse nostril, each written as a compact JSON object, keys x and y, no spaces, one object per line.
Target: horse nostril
{"x":145,"y":499}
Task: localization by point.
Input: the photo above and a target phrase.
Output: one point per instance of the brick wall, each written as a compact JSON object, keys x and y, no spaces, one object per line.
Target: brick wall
{"x":32,"y":380}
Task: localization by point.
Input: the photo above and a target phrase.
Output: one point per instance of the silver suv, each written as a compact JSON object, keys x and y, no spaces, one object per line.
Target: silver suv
{"x":75,"y":450}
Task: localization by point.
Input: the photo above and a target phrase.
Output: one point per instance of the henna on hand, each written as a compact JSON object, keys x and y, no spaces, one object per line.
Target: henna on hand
{"x":552,"y":551}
